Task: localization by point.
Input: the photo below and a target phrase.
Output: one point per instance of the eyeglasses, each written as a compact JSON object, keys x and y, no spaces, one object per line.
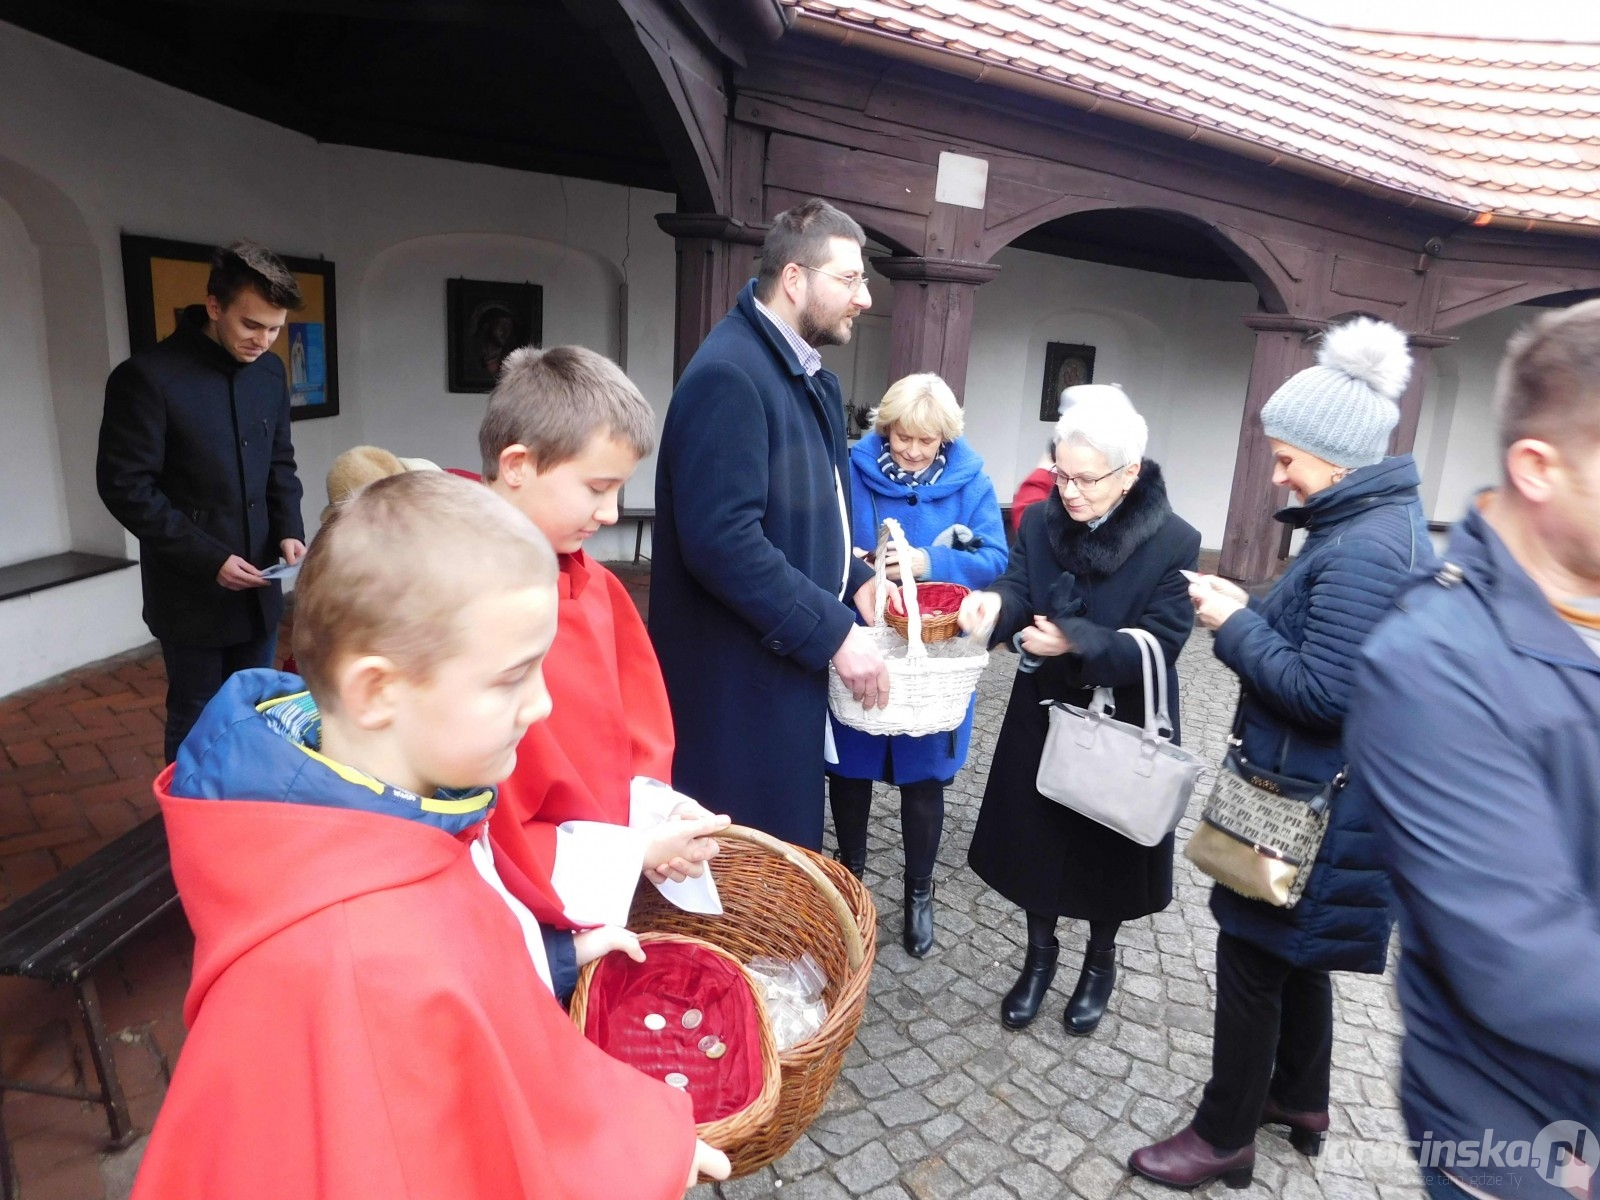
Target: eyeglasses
{"x":1083,"y":482}
{"x":855,"y":281}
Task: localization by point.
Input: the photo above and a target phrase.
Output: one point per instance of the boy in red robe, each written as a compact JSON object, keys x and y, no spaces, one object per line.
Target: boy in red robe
{"x":366,"y":1016}
{"x":582,"y":816}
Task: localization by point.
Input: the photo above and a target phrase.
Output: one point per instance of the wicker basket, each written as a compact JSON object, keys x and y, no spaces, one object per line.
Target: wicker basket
{"x":730,"y":1131}
{"x":930,"y":687}
{"x":940,"y":626}
{"x":781,"y":900}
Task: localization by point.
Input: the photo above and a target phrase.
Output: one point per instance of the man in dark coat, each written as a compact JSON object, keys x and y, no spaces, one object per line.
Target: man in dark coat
{"x":195,"y":461}
{"x":1475,"y":732}
{"x":751,"y":576}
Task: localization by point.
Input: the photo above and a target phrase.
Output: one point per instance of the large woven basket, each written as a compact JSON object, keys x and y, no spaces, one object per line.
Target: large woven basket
{"x":781,"y":900}
{"x":738,"y":1128}
{"x":930,"y":686}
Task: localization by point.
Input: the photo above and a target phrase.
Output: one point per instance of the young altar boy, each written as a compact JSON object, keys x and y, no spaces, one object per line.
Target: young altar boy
{"x":581,"y":816}
{"x":366,"y":1017}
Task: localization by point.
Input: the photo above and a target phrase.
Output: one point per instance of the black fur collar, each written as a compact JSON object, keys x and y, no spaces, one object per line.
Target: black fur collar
{"x":1099,"y":552}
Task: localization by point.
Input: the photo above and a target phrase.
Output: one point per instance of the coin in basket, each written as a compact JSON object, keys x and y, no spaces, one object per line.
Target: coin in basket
{"x":654,"y":1022}
{"x":678,"y":1080}
{"x":709,"y":1041}
{"x":692,"y":1018}
{"x":717,"y":1051}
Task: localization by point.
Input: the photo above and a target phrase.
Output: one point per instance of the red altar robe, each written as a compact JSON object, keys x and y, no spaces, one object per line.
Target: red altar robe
{"x":609,"y":722}
{"x":366,"y":1024}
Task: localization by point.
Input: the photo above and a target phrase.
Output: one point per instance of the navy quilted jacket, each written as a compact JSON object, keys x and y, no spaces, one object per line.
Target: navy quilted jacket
{"x":1295,"y":652}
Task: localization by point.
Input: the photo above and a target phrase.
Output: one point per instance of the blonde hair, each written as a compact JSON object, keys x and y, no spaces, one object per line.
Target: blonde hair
{"x":920,"y":404}
{"x":395,"y":567}
{"x":354,"y":469}
{"x":555,"y":401}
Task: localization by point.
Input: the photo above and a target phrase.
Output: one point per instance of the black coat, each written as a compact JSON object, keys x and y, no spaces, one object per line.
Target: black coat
{"x":195,"y":461}
{"x":746,"y":571}
{"x":1039,"y":855}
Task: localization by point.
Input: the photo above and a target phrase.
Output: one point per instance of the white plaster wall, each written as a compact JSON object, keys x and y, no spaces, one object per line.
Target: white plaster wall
{"x":1457,"y":447}
{"x":30,"y":483}
{"x":137,"y":156}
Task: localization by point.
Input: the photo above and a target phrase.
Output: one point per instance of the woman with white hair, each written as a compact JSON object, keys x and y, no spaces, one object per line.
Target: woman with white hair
{"x":1101,"y":554}
{"x":917,"y":468}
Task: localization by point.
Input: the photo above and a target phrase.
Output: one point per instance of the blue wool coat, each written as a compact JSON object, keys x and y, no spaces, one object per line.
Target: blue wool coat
{"x":1476,"y":733}
{"x":1295,"y":654}
{"x":962,"y":495}
{"x":748,"y":560}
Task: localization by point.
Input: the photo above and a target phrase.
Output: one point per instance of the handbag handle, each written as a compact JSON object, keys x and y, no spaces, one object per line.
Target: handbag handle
{"x":890,"y":530}
{"x":1153,"y":668}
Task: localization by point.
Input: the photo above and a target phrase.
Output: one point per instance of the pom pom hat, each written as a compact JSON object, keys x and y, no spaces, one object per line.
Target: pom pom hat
{"x":1343,"y":409}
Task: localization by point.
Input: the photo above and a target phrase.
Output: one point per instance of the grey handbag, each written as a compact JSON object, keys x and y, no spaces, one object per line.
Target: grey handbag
{"x":1131,"y":780}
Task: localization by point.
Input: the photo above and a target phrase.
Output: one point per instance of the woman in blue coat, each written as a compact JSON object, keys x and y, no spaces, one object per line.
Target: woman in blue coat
{"x":1295,"y":653}
{"x":915,"y":467}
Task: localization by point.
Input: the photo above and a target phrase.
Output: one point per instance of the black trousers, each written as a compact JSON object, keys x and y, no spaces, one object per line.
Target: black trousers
{"x":1274,"y":1036}
{"x":921,"y":819}
{"x":197,"y":673}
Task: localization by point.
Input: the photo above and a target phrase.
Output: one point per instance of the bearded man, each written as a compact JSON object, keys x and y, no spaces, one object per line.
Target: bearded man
{"x":752,"y":579}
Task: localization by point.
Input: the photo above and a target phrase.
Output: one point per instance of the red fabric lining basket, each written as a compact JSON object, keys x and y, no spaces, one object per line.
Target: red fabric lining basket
{"x":615,"y":994}
{"x":939,"y":603}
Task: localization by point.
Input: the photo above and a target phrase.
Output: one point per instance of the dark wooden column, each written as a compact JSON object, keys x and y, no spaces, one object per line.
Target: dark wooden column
{"x":932,"y":328}
{"x":716,"y":257}
{"x":1250,"y":541}
{"x":1422,"y":347}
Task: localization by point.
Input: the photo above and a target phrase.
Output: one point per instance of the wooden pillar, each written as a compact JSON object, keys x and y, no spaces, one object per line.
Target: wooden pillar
{"x":1422,"y":347}
{"x":1250,"y":541}
{"x":716,"y":257}
{"x":932,"y":328}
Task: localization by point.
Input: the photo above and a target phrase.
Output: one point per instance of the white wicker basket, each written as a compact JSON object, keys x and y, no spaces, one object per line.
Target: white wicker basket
{"x":929,"y":686}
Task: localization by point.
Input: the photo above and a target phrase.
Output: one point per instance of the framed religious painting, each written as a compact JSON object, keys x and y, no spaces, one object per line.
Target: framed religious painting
{"x":486,"y":321}
{"x":1065,"y":365}
{"x":161,"y":278}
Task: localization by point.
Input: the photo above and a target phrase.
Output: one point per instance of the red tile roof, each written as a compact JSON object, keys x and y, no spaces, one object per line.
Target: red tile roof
{"x":1501,"y":132}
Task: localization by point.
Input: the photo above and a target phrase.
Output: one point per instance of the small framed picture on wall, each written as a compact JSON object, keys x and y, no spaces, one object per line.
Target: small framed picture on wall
{"x":1066,"y":364}
{"x":162,"y":277}
{"x":486,"y":321}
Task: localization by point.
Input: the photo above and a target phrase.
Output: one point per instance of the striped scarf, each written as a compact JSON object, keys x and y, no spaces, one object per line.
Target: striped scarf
{"x":897,"y":474}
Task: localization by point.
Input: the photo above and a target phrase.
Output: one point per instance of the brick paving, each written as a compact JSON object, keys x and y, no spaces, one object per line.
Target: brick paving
{"x":936,"y":1101}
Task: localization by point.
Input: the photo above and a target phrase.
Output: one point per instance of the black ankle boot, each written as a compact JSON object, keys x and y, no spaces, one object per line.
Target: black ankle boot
{"x":855,"y":861}
{"x":918,"y":935}
{"x":1022,"y":1002}
{"x":1088,"y":1003}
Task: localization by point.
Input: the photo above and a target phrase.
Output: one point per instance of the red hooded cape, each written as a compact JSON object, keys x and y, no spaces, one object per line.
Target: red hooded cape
{"x":366,"y":1024}
{"x":609,"y":721}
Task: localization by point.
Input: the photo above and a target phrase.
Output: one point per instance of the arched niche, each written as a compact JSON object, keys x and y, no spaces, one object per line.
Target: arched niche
{"x":402,"y":401}
{"x":76,"y":351}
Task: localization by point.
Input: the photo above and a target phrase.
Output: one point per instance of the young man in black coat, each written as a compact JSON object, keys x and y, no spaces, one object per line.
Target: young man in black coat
{"x":752,"y":579}
{"x":195,"y":461}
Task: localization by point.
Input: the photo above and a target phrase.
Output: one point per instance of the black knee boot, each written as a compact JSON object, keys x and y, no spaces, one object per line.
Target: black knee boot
{"x":1095,"y":981}
{"x":921,"y":822}
{"x":851,"y":800}
{"x":1022,"y":1002}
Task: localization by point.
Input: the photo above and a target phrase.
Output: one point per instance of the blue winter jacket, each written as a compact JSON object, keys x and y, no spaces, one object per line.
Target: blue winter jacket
{"x":962,"y":495}
{"x":1475,"y":733}
{"x":1294,"y":651}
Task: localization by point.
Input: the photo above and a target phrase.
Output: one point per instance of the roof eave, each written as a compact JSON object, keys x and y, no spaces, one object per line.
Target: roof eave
{"x":977,"y":70}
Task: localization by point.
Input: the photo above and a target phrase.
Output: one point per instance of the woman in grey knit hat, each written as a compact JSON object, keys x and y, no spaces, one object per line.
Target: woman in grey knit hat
{"x":1294,"y":651}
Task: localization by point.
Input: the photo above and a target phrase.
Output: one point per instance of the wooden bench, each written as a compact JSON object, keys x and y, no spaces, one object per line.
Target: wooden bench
{"x":60,"y":932}
{"x":642,"y":518}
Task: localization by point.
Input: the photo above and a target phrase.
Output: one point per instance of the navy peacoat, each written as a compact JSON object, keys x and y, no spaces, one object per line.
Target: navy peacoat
{"x":747,"y":571}
{"x":195,"y":461}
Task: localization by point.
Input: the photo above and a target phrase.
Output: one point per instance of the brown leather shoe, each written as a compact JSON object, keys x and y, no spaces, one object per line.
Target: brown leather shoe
{"x":1186,"y":1161}
{"x":1307,"y":1130}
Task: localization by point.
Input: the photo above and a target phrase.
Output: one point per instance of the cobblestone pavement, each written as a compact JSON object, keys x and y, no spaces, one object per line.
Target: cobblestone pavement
{"x":937,"y":1101}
